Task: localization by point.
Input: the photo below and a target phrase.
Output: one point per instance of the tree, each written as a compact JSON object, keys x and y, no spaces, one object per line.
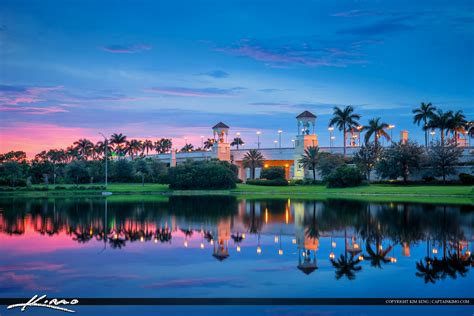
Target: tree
{"x":400,"y":160}
{"x":366,"y":158}
{"x":84,"y":148}
{"x":237,"y":142}
{"x":444,"y":159}
{"x":13,"y":156}
{"x":163,"y":145}
{"x":202,"y":175}
{"x":442,"y":121}
{"x":147,"y":145}
{"x":12,"y":172}
{"x":253,"y":159}
{"x":376,"y":128}
{"x":310,"y":159}
{"x":457,"y":124}
{"x":209,"y":143}
{"x":328,"y":162}
{"x":142,"y":169}
{"x":133,"y":147}
{"x":118,"y":141}
{"x":273,"y":173}
{"x":77,"y":171}
{"x":122,"y":171}
{"x":344,"y":119}
{"x":423,"y":114}
{"x":187,"y":147}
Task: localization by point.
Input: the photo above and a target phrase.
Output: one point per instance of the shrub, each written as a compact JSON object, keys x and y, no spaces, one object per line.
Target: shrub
{"x":273,"y":173}
{"x":275,"y":182}
{"x":122,"y":171}
{"x":466,"y":178}
{"x":428,"y":179}
{"x":77,"y":172}
{"x":344,"y":177}
{"x":202,"y":175}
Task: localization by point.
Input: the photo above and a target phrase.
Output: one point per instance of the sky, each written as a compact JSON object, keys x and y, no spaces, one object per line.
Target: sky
{"x":152,"y":69}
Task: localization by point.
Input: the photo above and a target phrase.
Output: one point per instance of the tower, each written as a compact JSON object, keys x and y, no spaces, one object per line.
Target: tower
{"x":221,"y":148}
{"x":306,"y":137}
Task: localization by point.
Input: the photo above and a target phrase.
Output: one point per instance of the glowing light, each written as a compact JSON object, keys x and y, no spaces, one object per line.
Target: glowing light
{"x":243,"y":236}
{"x":266,"y":216}
{"x":356,"y":246}
{"x":142,"y":239}
{"x":331,"y":256}
{"x":115,"y":236}
{"x":238,"y":248}
{"x":333,"y":244}
{"x":276,"y":239}
{"x":435,"y":251}
{"x":280,"y":252}
{"x":468,"y":253}
{"x":212,"y":242}
{"x":266,"y":165}
{"x":393,"y":259}
{"x":287,"y":165}
{"x":258,"y":132}
{"x":293,"y":241}
{"x":304,"y":254}
{"x":330,"y":129}
{"x":202,"y":245}
{"x":186,"y":243}
{"x":287,"y":216}
{"x":361,"y":258}
{"x":156,"y":240}
{"x":259,"y":250}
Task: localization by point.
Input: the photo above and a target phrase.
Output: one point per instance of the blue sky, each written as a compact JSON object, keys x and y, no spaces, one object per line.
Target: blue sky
{"x":154,"y":69}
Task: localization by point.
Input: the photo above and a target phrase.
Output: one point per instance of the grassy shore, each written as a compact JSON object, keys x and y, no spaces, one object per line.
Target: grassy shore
{"x":375,"y":192}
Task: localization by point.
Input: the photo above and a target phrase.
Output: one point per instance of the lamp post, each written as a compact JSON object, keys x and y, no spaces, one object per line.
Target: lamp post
{"x":432,"y":133}
{"x":391,"y":127}
{"x":293,"y":141}
{"x":330,"y":129}
{"x":279,"y":138}
{"x":238,"y":139}
{"x":275,"y":142}
{"x":258,"y":139}
{"x":106,"y":148}
{"x":332,"y":141}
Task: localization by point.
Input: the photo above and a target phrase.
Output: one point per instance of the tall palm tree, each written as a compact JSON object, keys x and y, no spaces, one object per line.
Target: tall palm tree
{"x":344,"y":119}
{"x":423,"y":114}
{"x":237,"y":142}
{"x":253,"y":159}
{"x":84,"y":147}
{"x":457,"y":124}
{"x":187,"y":147}
{"x":208,"y":143}
{"x":147,"y":146}
{"x":133,"y":147}
{"x":163,"y":145}
{"x":442,"y":121}
{"x":376,"y":128}
{"x":100,"y":148}
{"x":310,"y":159}
{"x":118,"y":141}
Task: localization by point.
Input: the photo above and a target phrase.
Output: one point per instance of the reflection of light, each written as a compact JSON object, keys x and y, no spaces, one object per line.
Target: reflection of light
{"x":266,"y":165}
{"x":259,"y":250}
{"x":185,"y":243}
{"x":331,"y":255}
{"x":468,"y":253}
{"x":115,"y":236}
{"x":356,"y":246}
{"x":333,"y":244}
{"x":142,"y":239}
{"x":202,"y":245}
{"x":293,"y":241}
{"x":286,"y":165}
{"x":380,"y":247}
{"x":238,"y":248}
{"x":304,"y":254}
{"x":361,"y":258}
{"x":276,"y":238}
{"x":280,"y":252}
{"x":435,"y":251}
{"x":212,"y":242}
{"x":393,"y":259}
{"x":266,"y":216}
{"x":243,"y":236}
{"x":287,"y":216}
{"x":156,"y":240}
{"x":90,"y":231}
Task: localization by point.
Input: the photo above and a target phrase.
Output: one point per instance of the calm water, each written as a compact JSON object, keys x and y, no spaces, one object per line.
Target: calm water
{"x":232,"y":247}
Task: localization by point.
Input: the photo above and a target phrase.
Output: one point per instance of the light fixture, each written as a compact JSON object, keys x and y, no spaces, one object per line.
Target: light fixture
{"x":276,"y":239}
{"x":202,"y":245}
{"x":333,"y":244}
{"x":238,"y":248}
{"x":331,"y":256}
{"x":186,"y":243}
{"x":259,"y":250}
{"x":293,"y":241}
{"x":361,"y":258}
{"x":280,"y":252}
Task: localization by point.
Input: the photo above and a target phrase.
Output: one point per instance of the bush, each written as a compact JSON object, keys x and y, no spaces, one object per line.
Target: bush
{"x":428,"y":179}
{"x":202,"y":175}
{"x":77,"y":172}
{"x":275,"y":182}
{"x":466,"y":178}
{"x":273,"y":173}
{"x":344,"y":177}
{"x":122,"y":171}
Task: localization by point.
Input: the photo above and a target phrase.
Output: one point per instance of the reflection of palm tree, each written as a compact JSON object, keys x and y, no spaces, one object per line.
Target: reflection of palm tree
{"x":187,"y":232}
{"x":427,"y":271}
{"x":346,"y":266}
{"x":81,"y":236}
{"x":117,"y":243}
{"x":312,"y":230}
{"x":458,"y":264}
{"x":378,"y":256}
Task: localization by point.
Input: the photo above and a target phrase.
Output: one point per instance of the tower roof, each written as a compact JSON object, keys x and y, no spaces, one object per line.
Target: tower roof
{"x":306,"y":114}
{"x":220,"y":125}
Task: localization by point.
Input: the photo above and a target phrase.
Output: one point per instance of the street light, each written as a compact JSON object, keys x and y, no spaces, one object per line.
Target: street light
{"x":186,"y":140}
{"x":391,"y":127}
{"x":106,"y":147}
{"x":432,"y":133}
{"x":330,"y":129}
{"x":293,"y":141}
{"x":275,"y":142}
{"x":258,"y":139}
{"x":279,"y":138}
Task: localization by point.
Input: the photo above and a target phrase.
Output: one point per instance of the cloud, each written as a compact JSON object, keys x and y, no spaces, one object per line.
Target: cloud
{"x":195,"y":92}
{"x":126,"y":49}
{"x":357,"y":13}
{"x":392,"y":25}
{"x":12,"y":99}
{"x":303,"y":52}
{"x":218,"y":74}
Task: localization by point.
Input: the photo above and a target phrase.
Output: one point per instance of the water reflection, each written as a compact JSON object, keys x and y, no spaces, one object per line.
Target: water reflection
{"x":354,"y":232}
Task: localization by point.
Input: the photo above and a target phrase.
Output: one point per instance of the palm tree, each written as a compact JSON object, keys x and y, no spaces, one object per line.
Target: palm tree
{"x":422,"y":114}
{"x":428,"y":272}
{"x":237,"y":142}
{"x":442,"y":121}
{"x":346,"y":266}
{"x":310,"y":159}
{"x":253,"y":159}
{"x":84,"y":147}
{"x":163,"y":145}
{"x":118,"y":141}
{"x":344,"y":119}
{"x":457,"y":124}
{"x":378,"y":256}
{"x":100,"y":148}
{"x":133,"y":147}
{"x":208,"y":143}
{"x":187,"y":147}
{"x":376,"y":128}
{"x":147,"y":146}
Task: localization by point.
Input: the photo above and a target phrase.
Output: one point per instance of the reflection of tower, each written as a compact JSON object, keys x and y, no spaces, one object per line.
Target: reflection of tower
{"x":305,"y":138}
{"x":221,"y":148}
{"x":406,"y":249}
{"x":221,"y":248}
{"x":307,"y":245}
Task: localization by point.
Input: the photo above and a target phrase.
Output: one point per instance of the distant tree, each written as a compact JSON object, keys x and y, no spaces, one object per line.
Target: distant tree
{"x":147,"y":145}
{"x":118,"y":141}
{"x":77,"y":171}
{"x":329,"y":162}
{"x":17,"y":156}
{"x":377,"y":129}
{"x":253,"y":159}
{"x":237,"y":142}
{"x":158,"y":171}
{"x":142,"y":169}
{"x":187,"y":147}
{"x":310,"y":159}
{"x":163,"y":145}
{"x":442,"y":121}
{"x":122,"y":171}
{"x":366,"y":158}
{"x":201,"y":175}
{"x":133,"y":147}
{"x":457,"y":124}
{"x":400,"y":160}
{"x":12,"y":172}
{"x":444,"y":159}
{"x":209,"y":143}
{"x":84,"y":148}
{"x":423,"y":114}
{"x":344,"y":119}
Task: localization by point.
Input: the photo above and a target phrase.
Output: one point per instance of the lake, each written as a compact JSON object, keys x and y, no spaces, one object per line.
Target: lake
{"x":232,"y":247}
